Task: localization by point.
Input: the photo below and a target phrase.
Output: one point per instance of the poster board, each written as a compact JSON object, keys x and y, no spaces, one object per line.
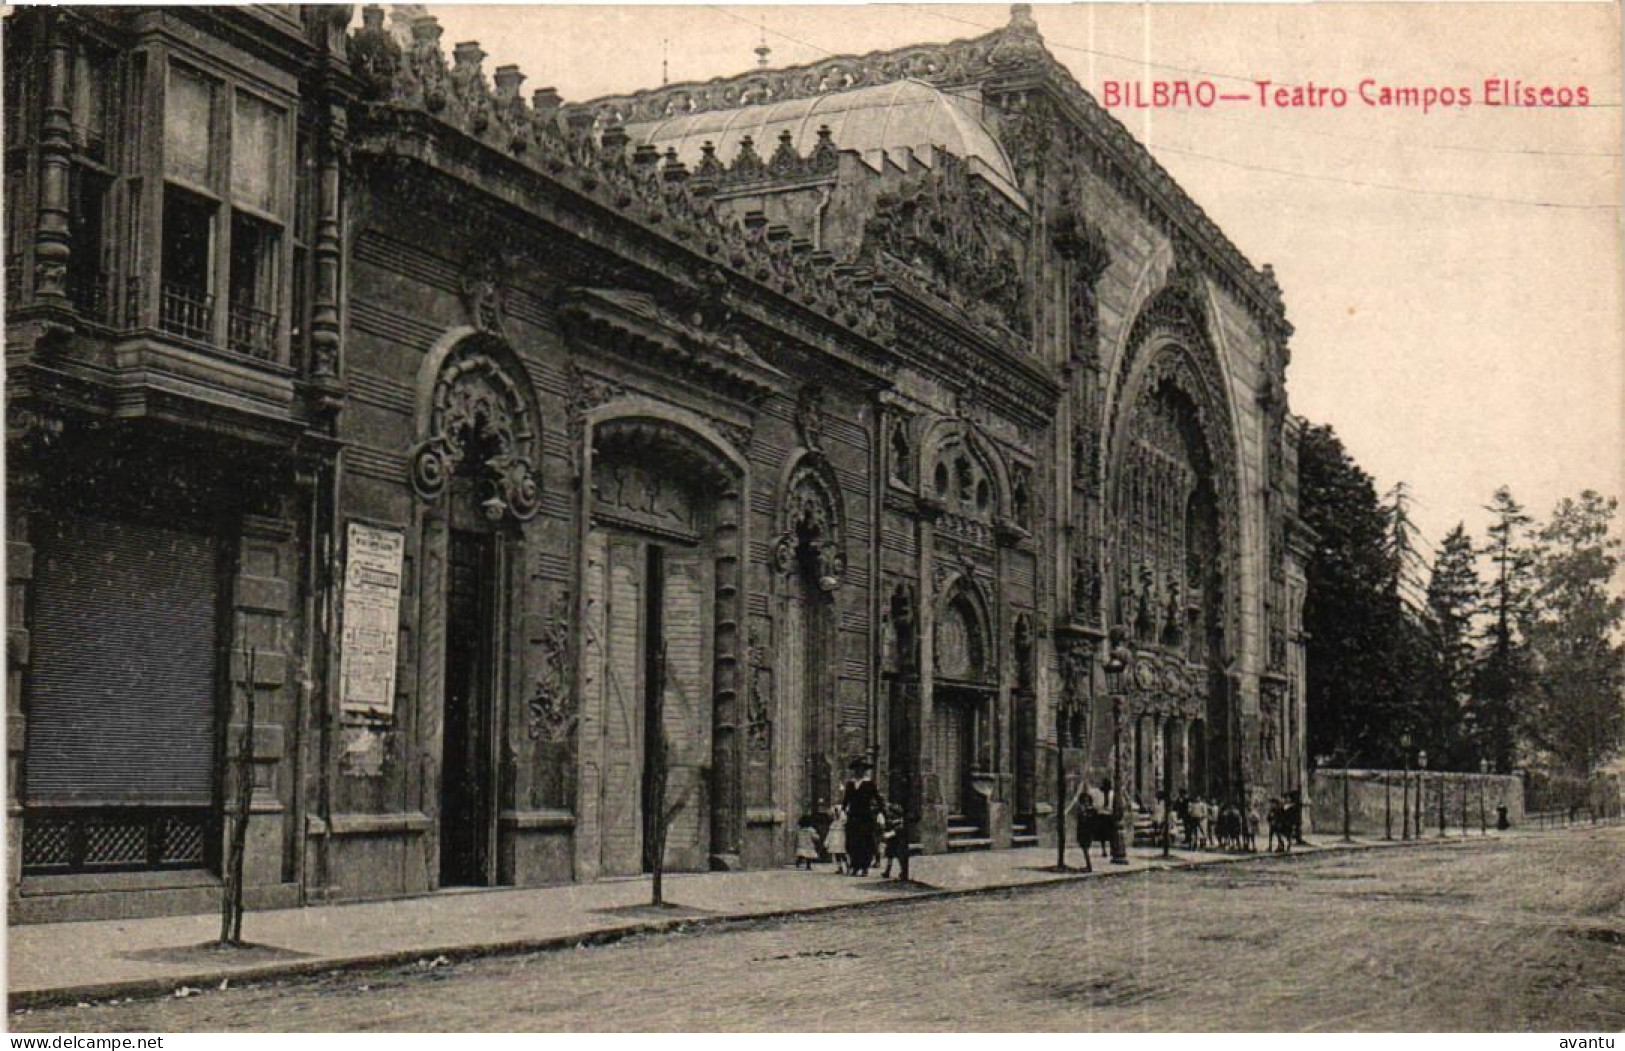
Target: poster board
{"x":372,"y":606}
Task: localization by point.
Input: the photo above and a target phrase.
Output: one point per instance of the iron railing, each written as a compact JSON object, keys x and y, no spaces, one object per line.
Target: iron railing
{"x":92,"y":296}
{"x":252,"y":331}
{"x":184,"y":312}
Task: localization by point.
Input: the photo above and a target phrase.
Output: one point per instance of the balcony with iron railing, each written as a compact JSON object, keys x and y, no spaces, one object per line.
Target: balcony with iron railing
{"x":252,"y":331}
{"x":93,"y":296}
{"x":186,"y":312}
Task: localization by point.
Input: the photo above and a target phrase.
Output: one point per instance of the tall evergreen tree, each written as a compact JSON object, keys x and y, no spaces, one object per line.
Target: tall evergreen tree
{"x":1356,"y":654}
{"x":1405,"y":547}
{"x":1454,"y":593}
{"x":1502,"y":675}
{"x":1576,"y":718}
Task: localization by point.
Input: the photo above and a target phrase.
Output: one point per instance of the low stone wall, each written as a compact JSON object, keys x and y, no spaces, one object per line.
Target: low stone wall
{"x":1376,"y":798}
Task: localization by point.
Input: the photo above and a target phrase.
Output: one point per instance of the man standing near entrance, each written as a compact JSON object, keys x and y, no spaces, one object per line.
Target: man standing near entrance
{"x":862,"y":803}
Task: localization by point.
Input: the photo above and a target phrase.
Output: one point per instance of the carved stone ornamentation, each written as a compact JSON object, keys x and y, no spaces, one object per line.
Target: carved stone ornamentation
{"x":956,"y":236}
{"x":810,"y":417}
{"x":812,"y":534}
{"x":480,"y":425}
{"x":483,"y":296}
{"x":758,"y":720}
{"x":739,"y":435}
{"x":551,"y":707}
{"x":588,"y":390}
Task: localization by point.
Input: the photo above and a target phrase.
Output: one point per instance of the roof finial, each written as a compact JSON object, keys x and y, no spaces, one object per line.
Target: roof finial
{"x":665,"y":54}
{"x":762,"y":50}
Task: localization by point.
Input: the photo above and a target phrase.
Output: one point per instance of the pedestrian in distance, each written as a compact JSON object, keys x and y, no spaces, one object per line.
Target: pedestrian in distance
{"x":806,"y":844}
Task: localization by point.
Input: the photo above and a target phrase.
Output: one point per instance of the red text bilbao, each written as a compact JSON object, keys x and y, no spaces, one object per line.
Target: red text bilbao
{"x":1266,"y":94}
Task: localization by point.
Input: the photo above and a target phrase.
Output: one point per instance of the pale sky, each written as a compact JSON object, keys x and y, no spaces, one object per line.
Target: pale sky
{"x":1454,"y":276}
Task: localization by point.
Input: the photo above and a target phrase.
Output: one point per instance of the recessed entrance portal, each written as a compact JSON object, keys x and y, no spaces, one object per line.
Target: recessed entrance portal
{"x":648,"y":648}
{"x":964,"y":747}
{"x":466,"y":829}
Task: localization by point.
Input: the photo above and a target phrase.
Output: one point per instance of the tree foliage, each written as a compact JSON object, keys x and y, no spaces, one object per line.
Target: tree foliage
{"x":1454,"y":595}
{"x":1524,"y":666}
{"x":1501,"y":679}
{"x":1358,"y":649}
{"x":1575,"y":716}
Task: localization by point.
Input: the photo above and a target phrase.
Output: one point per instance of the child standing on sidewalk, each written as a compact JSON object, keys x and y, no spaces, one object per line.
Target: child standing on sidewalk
{"x":893,"y":840}
{"x":806,"y":844}
{"x":835,"y":839}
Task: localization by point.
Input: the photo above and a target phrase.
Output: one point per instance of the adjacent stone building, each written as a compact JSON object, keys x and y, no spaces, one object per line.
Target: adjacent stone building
{"x":462,"y":468}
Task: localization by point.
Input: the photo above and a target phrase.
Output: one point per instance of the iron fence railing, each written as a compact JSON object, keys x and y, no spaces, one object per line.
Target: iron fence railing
{"x":185,"y":312}
{"x":252,"y":331}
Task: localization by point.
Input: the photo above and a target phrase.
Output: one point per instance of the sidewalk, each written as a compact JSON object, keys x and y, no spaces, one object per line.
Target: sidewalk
{"x":50,"y":963}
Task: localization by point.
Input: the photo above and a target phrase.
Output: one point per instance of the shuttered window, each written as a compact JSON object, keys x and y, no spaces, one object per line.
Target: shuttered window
{"x":121,"y":706}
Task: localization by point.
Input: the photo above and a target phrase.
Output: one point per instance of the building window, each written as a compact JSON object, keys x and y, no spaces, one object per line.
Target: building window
{"x":252,"y":329}
{"x":224,"y":215}
{"x":189,"y":127}
{"x":89,"y":286}
{"x":187,"y":303}
{"x":90,"y":182}
{"x":88,"y":103}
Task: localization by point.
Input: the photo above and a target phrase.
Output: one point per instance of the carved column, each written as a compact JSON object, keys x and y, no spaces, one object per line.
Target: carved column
{"x":52,"y":240}
{"x":727,"y":761}
{"x":326,"y":252}
{"x":1120,"y":813}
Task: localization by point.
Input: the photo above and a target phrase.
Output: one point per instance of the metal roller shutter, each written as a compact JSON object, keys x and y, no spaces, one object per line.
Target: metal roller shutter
{"x":121,"y":705}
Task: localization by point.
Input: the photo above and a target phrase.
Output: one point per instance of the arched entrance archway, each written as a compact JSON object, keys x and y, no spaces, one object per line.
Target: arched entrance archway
{"x":810,"y":559}
{"x":659,"y":645}
{"x":473,"y":468}
{"x":1173,"y":545}
{"x":964,"y":695}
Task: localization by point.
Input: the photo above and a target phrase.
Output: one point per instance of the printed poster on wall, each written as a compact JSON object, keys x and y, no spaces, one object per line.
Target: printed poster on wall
{"x":372,"y":603}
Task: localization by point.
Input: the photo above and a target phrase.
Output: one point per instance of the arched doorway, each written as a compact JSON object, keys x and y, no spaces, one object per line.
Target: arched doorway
{"x":810,"y":558}
{"x":473,"y":469}
{"x":1173,"y":541}
{"x":963,"y":699}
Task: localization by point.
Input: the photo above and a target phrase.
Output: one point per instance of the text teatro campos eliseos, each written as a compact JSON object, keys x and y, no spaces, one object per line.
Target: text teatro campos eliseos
{"x":1266,"y":94}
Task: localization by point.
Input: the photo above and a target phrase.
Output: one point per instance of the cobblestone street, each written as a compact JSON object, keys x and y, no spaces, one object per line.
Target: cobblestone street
{"x":1523,"y":933}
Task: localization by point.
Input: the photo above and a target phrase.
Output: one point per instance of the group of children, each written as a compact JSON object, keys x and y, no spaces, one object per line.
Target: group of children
{"x":813,"y":847}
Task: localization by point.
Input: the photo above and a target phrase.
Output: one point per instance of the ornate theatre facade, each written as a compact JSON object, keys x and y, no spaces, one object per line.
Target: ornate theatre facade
{"x":479,"y":475}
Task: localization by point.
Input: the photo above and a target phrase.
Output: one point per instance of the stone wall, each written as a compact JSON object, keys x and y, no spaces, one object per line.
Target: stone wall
{"x":1369,"y":804}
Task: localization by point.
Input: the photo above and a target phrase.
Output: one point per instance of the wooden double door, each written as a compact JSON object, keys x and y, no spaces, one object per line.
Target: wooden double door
{"x":960,"y":726}
{"x":650,"y":634}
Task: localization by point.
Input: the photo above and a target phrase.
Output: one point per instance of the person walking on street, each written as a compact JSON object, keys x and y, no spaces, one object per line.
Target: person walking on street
{"x":862,"y":804}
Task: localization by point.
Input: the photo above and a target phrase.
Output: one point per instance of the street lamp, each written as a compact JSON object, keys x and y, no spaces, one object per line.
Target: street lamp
{"x":1483,"y":820}
{"x":1405,"y":789}
{"x":1116,"y":664}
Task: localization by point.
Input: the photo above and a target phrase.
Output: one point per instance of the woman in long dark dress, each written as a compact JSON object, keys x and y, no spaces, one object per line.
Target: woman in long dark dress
{"x":862,"y":803}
